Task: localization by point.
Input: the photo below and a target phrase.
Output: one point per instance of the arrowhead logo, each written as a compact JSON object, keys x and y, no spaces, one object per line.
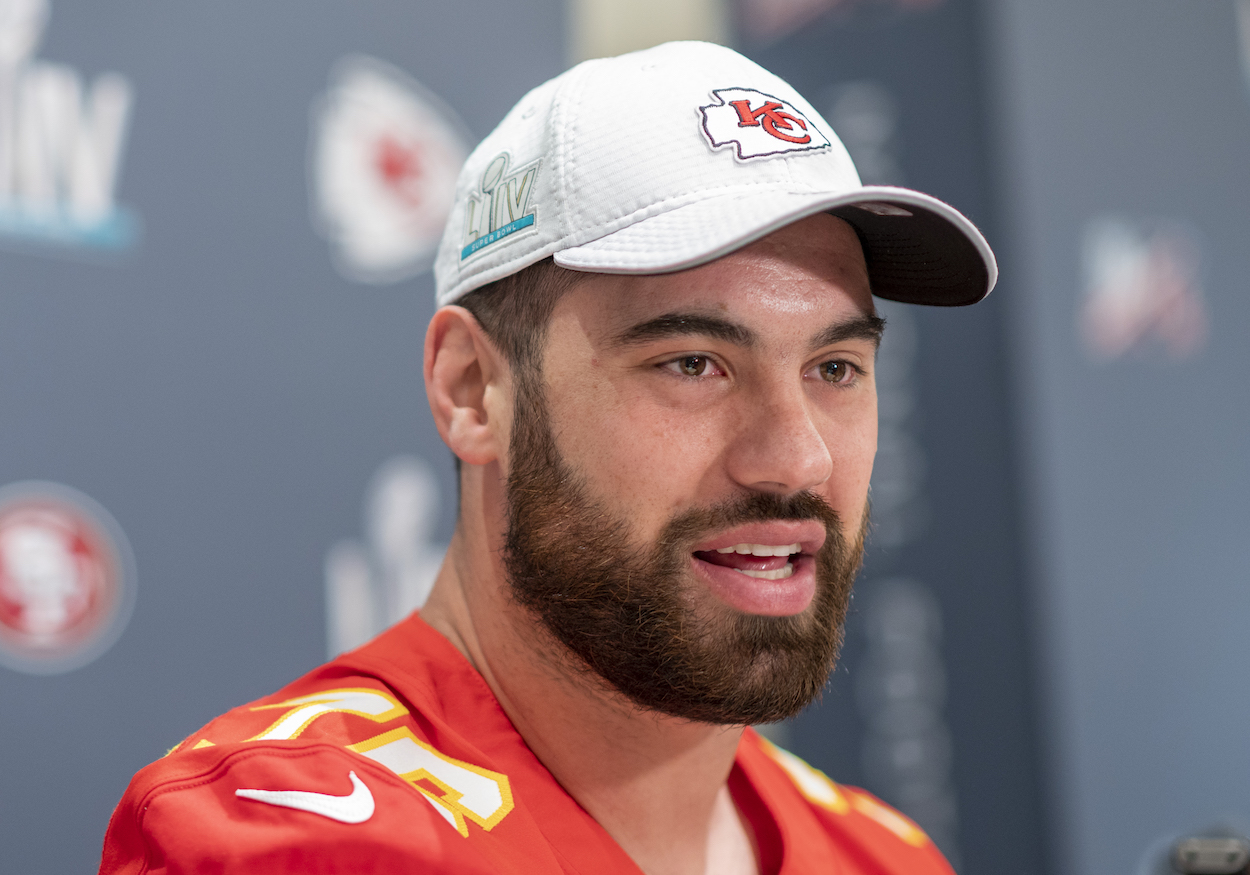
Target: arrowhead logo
{"x":758,"y":124}
{"x":355,"y":807}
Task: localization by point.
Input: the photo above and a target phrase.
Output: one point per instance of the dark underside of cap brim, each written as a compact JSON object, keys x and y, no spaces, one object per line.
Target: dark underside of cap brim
{"x":918,"y":259}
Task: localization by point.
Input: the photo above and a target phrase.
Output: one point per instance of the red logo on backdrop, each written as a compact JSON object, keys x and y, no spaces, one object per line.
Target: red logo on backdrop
{"x":383,"y":163}
{"x":400,"y":165}
{"x":773,"y":119}
{"x":65,"y":584}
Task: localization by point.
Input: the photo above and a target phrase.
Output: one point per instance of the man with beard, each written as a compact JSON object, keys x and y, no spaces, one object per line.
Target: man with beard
{"x":654,"y":364}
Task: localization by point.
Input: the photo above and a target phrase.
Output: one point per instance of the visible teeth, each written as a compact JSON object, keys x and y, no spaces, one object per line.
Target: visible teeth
{"x":762,"y":549}
{"x":785,"y":571}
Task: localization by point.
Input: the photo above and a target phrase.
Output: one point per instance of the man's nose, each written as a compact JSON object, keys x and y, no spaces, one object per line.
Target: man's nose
{"x":778,"y":446}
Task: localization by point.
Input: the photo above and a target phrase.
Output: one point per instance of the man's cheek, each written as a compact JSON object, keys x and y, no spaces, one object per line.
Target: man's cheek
{"x":653,"y":444}
{"x":853,"y":455}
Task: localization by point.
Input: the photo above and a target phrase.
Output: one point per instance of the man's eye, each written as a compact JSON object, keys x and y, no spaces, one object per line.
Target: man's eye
{"x":692,"y":365}
{"x":836,"y":372}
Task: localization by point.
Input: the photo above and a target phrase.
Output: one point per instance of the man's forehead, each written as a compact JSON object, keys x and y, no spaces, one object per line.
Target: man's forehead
{"x":787,"y":275}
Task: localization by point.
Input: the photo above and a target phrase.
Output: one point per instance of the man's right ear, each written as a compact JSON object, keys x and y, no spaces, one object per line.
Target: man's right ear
{"x":467,"y":382}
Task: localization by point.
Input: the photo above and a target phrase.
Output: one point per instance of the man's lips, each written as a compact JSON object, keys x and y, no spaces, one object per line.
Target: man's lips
{"x":763,"y":568}
{"x":809,"y":535}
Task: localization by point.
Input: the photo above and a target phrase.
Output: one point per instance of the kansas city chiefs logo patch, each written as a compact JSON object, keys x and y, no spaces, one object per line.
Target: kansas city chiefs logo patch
{"x":758,"y":124}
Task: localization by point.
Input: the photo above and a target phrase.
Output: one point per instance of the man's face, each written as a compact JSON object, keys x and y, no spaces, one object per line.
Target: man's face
{"x":688,"y":483}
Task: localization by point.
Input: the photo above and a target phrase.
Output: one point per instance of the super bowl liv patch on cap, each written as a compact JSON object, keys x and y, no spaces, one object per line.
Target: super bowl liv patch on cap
{"x":499,"y":207}
{"x":671,"y":157}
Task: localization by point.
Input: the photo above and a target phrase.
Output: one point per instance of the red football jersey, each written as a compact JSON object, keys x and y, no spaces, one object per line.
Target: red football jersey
{"x":396,"y":757}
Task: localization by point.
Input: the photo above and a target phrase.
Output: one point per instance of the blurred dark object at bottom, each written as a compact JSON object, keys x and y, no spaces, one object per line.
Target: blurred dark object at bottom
{"x":1219,"y":851}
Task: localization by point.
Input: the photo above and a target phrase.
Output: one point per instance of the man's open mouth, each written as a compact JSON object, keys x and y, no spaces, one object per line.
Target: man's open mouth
{"x":761,"y":561}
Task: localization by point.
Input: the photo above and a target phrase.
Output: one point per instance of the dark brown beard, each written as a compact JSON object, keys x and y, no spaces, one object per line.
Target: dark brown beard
{"x":624,"y":611}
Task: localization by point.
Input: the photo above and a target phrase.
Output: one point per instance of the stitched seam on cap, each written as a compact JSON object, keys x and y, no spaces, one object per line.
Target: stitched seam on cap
{"x":789,"y":164}
{"x":566,"y":97}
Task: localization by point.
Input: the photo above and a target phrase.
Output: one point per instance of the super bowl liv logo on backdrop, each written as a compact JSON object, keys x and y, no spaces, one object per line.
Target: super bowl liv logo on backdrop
{"x":60,"y":143}
{"x":382,"y":578}
{"x":383,"y":164}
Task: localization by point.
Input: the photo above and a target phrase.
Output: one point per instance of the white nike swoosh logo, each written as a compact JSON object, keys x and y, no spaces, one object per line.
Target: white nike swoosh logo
{"x":355,"y":807}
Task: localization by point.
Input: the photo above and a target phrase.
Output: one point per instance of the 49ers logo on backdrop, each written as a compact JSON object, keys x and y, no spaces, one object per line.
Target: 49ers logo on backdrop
{"x":758,"y":124}
{"x":66,"y":578}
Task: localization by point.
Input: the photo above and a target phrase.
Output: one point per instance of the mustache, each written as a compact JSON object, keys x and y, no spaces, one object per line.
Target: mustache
{"x":752,"y":507}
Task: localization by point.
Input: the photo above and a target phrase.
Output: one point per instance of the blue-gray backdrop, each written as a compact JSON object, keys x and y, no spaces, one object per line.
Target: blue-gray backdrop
{"x":1043,"y":661}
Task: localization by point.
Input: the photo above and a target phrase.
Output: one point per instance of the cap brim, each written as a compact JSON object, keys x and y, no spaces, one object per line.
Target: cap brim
{"x":918,"y":249}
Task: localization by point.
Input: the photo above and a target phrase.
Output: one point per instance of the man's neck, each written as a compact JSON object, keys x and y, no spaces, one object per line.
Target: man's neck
{"x":656,"y":784}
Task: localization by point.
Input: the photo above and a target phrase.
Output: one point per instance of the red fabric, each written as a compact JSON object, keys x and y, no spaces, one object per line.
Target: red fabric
{"x":181,"y":814}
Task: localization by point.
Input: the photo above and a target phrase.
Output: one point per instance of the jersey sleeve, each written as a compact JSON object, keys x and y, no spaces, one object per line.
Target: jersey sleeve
{"x":872,"y":834}
{"x":277,"y":809}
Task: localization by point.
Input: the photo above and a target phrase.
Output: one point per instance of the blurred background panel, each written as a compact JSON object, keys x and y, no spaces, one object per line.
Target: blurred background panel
{"x":1123,"y":154}
{"x":224,"y":374}
{"x":217,"y":468}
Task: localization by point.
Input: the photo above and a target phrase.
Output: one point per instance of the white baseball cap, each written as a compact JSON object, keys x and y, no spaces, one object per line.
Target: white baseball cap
{"x":669,"y":158}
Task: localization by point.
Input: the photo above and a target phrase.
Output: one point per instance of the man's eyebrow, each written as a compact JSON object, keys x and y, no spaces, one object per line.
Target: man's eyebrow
{"x":683,"y":324}
{"x":863,"y":328}
{"x":687,"y":324}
